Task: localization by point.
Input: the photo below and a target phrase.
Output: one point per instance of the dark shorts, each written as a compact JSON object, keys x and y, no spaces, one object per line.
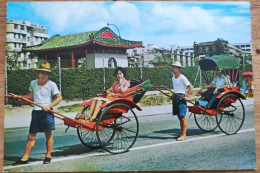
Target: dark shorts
{"x":179,"y":105}
{"x":42,"y":121}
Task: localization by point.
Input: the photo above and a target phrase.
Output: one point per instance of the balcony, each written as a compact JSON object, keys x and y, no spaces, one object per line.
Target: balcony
{"x":18,"y":31}
{"x":16,"y":40}
{"x":37,"y":34}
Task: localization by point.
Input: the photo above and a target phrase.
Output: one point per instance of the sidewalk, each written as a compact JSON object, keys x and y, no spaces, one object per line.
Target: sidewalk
{"x":21,"y":116}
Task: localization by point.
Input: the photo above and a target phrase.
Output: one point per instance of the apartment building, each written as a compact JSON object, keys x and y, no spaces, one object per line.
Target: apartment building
{"x":246,"y":47}
{"x":21,"y":33}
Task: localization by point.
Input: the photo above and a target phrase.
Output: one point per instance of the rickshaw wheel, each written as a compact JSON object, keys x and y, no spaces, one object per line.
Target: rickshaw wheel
{"x":88,"y":138}
{"x":231,"y":114}
{"x":120,"y":135}
{"x":206,"y":122}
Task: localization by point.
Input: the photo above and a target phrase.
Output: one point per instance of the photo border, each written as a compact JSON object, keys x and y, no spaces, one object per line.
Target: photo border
{"x":255,"y":23}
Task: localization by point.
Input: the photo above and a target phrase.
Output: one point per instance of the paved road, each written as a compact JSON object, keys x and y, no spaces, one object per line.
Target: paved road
{"x":155,"y":149}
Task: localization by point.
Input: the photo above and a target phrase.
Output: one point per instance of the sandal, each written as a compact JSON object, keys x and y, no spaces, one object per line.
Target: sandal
{"x":179,"y":135}
{"x":47,"y":160}
{"x":79,"y":116}
{"x":20,"y":162}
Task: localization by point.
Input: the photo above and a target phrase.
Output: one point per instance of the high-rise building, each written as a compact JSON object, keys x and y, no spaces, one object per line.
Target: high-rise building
{"x":21,"y":33}
{"x":217,"y":47}
{"x":246,"y":47}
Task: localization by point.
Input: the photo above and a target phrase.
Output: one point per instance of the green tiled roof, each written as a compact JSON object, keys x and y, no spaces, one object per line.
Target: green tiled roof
{"x":81,"y":39}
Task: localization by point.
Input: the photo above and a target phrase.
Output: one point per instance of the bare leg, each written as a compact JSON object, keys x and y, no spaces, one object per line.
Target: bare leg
{"x":29,"y":146}
{"x":97,"y":109}
{"x":49,"y":143}
{"x":183,"y":125}
{"x":92,"y":107}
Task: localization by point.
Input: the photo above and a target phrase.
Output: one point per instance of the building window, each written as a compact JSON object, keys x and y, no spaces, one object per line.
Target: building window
{"x":22,"y":27}
{"x":15,"y":26}
{"x":112,"y":62}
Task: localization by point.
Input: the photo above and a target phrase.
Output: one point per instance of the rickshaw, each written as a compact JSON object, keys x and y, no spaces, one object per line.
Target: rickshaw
{"x":116,"y":127}
{"x":227,"y":111}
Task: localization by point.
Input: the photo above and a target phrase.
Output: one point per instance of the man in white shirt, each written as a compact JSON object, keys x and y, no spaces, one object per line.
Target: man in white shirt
{"x":179,"y":105}
{"x":41,"y":91}
{"x":220,"y":82}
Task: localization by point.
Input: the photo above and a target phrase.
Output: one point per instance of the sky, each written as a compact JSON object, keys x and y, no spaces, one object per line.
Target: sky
{"x":152,"y":22}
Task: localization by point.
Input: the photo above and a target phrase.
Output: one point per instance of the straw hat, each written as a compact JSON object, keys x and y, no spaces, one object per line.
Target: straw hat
{"x":177,"y":64}
{"x":45,"y":66}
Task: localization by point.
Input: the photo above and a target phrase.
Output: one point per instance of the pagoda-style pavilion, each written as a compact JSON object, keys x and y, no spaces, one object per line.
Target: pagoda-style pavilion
{"x":93,"y":49}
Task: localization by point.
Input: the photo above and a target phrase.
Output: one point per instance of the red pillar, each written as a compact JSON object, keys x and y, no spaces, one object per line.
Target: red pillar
{"x":86,"y":57}
{"x":72,"y":59}
{"x":57,"y":55}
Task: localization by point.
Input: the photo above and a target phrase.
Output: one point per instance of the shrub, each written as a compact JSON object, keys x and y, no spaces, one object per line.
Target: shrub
{"x":82,"y":83}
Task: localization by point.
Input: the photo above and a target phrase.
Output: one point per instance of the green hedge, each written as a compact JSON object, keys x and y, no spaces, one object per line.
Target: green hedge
{"x":80,"y":83}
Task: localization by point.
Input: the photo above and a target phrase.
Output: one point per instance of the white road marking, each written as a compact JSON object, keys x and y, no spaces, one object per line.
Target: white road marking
{"x":188,"y":140}
{"x":132,"y":149}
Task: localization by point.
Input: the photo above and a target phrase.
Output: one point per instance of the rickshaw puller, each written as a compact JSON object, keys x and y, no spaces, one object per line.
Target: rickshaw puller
{"x":179,"y":105}
{"x":41,"y":91}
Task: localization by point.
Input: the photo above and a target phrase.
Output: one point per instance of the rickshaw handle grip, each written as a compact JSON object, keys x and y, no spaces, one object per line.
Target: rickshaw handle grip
{"x":31,"y":102}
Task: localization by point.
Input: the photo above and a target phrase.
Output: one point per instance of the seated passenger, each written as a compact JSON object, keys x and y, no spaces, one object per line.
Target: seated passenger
{"x":220,"y":82}
{"x":121,"y":85}
{"x":118,"y":87}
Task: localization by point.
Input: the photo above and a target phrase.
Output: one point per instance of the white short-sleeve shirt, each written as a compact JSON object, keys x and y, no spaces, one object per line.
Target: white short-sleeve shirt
{"x":220,"y":81}
{"x":180,"y":84}
{"x":42,"y":94}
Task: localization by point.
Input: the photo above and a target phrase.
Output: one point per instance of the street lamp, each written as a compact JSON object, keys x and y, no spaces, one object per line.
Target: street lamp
{"x":116,"y":28}
{"x":104,"y":73}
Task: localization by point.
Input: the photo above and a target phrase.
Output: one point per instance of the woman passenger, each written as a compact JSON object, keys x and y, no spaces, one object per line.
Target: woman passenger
{"x":118,"y":87}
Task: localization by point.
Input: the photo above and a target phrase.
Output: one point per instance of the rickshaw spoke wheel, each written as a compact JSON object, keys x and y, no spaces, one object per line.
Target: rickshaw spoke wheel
{"x":231,"y":114}
{"x":206,"y":122}
{"x":121,"y":134}
{"x":88,"y":138}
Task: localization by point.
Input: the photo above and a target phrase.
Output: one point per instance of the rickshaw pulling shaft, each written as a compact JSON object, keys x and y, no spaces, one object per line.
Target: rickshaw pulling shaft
{"x":159,"y":88}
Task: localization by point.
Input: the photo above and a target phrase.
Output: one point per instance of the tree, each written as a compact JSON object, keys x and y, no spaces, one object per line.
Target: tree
{"x":196,"y":60}
{"x":221,"y":47}
{"x":248,"y":59}
{"x":11,"y":58}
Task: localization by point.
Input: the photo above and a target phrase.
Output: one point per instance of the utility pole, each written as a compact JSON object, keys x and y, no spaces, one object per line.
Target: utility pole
{"x":104,"y":74}
{"x":59,"y":73}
